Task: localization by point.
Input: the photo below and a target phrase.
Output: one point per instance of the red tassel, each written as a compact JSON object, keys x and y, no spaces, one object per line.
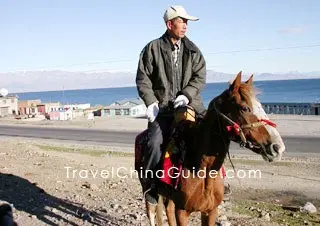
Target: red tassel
{"x":235,"y":128}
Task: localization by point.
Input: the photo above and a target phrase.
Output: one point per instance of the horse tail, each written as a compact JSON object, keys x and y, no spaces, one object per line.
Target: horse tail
{"x":159,"y":213}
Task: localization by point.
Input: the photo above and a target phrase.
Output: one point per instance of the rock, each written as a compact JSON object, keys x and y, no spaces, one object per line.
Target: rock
{"x":222,"y":218}
{"x":33,"y":216}
{"x":223,"y":223}
{"x":94,"y":187}
{"x":119,"y":210}
{"x":135,"y":216}
{"x":309,"y":208}
{"x":267,"y":217}
{"x":54,"y":210}
{"x":76,"y":196}
{"x":85,"y":185}
{"x":114,"y":206}
{"x":294,"y":215}
{"x":113,"y":185}
{"x":104,"y":209}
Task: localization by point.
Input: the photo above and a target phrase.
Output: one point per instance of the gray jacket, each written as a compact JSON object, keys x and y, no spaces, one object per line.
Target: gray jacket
{"x":155,"y":73}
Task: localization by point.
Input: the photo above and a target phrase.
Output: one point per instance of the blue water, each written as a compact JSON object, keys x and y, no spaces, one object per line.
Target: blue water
{"x":290,"y":91}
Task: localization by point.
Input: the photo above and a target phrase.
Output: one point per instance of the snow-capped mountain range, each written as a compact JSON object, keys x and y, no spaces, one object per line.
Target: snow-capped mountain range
{"x":31,"y":81}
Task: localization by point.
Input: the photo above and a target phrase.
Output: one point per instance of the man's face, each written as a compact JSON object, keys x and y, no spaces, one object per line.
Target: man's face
{"x":177,"y":27}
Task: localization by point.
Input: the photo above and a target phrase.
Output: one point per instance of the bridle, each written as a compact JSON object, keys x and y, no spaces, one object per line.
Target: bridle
{"x":236,"y":129}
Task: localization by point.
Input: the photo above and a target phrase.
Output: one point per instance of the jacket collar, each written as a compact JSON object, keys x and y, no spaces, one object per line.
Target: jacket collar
{"x":167,"y":44}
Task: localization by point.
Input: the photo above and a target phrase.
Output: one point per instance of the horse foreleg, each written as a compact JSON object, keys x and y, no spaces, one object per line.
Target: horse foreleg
{"x":182,"y":217}
{"x":151,"y":212}
{"x":159,"y":209}
{"x":209,"y":219}
{"x":171,"y":213}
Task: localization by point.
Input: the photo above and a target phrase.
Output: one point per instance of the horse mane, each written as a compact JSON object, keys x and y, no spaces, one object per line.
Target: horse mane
{"x":248,"y":92}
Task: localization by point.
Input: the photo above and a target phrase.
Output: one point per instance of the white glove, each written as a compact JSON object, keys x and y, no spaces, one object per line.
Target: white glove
{"x":181,"y":101}
{"x":152,"y":111}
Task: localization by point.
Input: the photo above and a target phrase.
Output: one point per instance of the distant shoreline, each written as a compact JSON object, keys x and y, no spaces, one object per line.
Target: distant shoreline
{"x":133,"y":86}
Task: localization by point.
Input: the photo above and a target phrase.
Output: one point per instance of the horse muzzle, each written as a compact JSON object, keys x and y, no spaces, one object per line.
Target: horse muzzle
{"x":269,"y":152}
{"x":272,"y":152}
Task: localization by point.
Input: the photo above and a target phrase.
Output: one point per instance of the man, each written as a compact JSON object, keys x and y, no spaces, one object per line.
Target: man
{"x":171,"y":73}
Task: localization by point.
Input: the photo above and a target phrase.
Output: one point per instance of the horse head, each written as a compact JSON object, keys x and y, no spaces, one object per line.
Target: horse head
{"x":243,"y":119}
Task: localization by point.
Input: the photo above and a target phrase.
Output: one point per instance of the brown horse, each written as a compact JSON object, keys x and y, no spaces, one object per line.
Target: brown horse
{"x":235,"y":115}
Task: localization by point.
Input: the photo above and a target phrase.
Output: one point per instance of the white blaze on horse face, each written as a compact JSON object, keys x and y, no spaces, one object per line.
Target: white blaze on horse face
{"x":258,"y":109}
{"x":275,"y":137}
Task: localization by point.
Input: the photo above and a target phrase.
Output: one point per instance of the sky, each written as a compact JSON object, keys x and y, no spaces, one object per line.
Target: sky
{"x":92,"y":36}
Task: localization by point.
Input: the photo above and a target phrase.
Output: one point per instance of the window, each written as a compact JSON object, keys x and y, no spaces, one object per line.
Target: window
{"x":118,"y":112}
{"x":126,"y":111}
{"x":107,"y":111}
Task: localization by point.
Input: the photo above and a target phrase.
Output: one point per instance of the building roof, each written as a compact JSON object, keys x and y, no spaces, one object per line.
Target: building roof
{"x":10,"y":96}
{"x":126,"y":102}
{"x":127,"y":106}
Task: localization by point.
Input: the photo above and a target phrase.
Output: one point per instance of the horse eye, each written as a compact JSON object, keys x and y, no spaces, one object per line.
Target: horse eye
{"x":245,"y":109}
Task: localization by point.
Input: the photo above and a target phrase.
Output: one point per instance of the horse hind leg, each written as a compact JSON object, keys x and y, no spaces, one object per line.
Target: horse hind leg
{"x":209,"y":219}
{"x":182,"y":217}
{"x":170,"y":211}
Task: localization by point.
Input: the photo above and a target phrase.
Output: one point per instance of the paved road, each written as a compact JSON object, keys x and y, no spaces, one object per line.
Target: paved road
{"x":293,"y":144}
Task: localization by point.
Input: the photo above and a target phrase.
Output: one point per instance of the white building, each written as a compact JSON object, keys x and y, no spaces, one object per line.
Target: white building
{"x":127,"y":107}
{"x":52,"y":106}
{"x":61,"y":114}
{"x":77,"y":106}
{"x":8,"y":105}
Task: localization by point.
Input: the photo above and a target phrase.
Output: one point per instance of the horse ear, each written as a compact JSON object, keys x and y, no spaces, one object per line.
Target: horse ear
{"x":250,"y":80}
{"x":236,"y":83}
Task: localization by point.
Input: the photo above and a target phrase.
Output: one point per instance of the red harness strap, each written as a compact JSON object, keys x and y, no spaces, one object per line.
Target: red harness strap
{"x":235,"y":128}
{"x":269,"y":122}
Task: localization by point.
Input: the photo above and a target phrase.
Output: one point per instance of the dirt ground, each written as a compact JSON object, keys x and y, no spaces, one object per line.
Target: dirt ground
{"x":38,"y":179}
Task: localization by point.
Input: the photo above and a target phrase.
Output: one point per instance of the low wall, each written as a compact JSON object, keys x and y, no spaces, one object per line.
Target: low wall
{"x":292,"y":108}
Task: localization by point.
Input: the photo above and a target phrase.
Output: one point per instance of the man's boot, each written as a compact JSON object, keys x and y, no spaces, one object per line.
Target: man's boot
{"x":150,"y":194}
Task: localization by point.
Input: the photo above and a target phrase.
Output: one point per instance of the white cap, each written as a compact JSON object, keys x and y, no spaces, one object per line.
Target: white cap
{"x":177,"y":11}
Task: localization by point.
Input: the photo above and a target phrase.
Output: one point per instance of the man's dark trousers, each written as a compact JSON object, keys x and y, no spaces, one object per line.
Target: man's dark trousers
{"x":158,"y":134}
